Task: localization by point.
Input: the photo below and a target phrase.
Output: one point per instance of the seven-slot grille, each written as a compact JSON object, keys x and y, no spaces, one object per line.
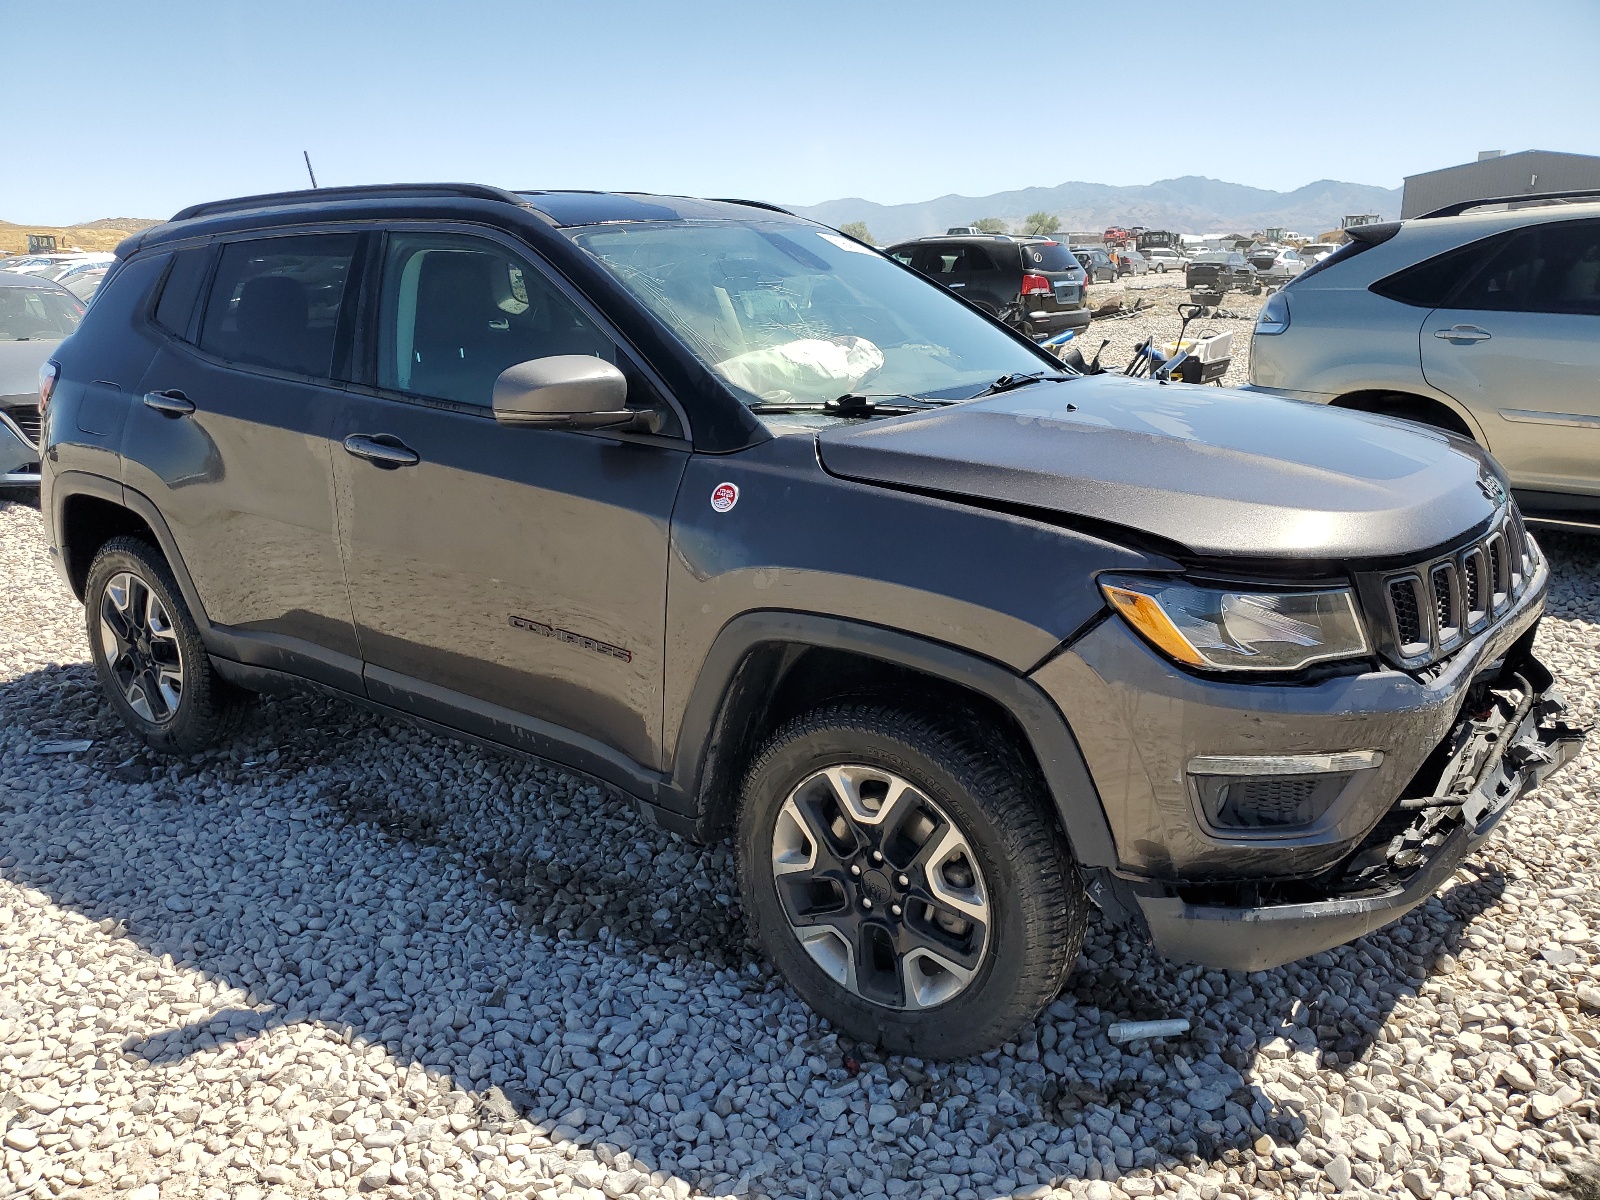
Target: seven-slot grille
{"x":26,"y":418}
{"x":1435,"y":606}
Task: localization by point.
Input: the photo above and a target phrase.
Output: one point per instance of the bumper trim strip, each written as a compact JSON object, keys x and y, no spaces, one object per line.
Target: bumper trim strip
{"x":1285,"y":764}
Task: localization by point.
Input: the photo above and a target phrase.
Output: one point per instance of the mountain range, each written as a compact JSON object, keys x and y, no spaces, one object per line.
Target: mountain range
{"x":1189,"y":204}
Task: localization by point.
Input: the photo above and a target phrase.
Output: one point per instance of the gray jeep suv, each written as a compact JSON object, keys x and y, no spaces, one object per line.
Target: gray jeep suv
{"x":788,"y":544}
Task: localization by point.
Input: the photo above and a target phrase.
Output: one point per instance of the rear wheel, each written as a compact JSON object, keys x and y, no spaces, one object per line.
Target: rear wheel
{"x":906,"y":879}
{"x":148,"y":654}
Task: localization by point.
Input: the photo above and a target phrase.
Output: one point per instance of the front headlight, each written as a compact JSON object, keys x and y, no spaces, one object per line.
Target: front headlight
{"x":1224,"y":629}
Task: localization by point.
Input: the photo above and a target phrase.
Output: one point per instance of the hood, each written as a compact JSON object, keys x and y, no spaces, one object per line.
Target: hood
{"x":1223,"y":473}
{"x":20,"y":363}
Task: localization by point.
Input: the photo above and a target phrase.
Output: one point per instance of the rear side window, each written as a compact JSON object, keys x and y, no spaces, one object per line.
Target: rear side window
{"x":180,"y":291}
{"x":275,"y":302}
{"x":1546,"y":269}
{"x":1048,"y":256}
{"x":949,"y":260}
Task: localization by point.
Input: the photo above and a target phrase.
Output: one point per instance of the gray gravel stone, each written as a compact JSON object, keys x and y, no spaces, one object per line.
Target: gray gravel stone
{"x":342,"y":955}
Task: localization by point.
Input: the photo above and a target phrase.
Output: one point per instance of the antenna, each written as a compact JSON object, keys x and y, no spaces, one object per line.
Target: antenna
{"x":306,"y":154}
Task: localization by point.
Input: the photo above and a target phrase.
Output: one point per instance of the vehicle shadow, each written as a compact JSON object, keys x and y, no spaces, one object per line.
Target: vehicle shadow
{"x":520,"y":933}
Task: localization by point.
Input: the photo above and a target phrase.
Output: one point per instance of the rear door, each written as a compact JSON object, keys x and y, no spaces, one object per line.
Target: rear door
{"x":1519,"y":344}
{"x":994,"y":277}
{"x":510,"y":581}
{"x":229,"y":437}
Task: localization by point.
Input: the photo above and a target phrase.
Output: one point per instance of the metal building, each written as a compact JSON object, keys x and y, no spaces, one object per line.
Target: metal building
{"x":1496,"y":174}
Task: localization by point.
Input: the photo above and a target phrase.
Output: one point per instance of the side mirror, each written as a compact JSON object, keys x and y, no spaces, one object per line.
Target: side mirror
{"x":567,"y":391}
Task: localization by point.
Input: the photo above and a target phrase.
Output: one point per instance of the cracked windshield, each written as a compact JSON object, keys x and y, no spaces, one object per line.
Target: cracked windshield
{"x":788,"y":315}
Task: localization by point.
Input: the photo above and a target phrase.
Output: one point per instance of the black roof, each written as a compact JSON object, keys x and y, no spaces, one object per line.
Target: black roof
{"x":561,"y":207}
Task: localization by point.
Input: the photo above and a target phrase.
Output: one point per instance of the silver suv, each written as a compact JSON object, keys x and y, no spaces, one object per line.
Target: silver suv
{"x":1482,"y":319}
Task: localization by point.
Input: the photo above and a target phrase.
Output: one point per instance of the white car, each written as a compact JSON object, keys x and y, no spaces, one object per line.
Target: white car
{"x":1276,"y":264}
{"x":1484,"y":321}
{"x":1163,"y":259}
{"x":60,"y":264}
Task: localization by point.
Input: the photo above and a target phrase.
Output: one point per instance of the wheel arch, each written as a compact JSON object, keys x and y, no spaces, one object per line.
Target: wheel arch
{"x":1444,"y":412}
{"x":765,"y":667}
{"x":90,"y":510}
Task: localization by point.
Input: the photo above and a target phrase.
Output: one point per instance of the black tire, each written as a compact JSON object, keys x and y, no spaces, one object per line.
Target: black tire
{"x":1036,"y":907}
{"x":207,"y":710}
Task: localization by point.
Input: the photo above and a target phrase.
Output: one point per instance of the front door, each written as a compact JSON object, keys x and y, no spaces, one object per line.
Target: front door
{"x":509,"y":581}
{"x":1519,"y":345}
{"x":229,"y":437}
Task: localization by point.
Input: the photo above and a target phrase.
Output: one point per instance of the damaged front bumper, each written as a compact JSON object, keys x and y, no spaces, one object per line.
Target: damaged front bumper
{"x":1511,"y":741}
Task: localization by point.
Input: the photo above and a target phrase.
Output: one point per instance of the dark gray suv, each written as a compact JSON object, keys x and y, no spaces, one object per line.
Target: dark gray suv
{"x":786,"y":543}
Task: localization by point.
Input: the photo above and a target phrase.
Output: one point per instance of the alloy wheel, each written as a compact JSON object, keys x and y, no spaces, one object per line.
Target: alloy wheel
{"x":881,"y":887}
{"x":141,"y":647}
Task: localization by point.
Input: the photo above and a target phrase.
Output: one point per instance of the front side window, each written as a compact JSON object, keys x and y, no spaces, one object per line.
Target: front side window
{"x":791,"y":313}
{"x":456,"y":311}
{"x":275,"y":302}
{"x":37,"y":314}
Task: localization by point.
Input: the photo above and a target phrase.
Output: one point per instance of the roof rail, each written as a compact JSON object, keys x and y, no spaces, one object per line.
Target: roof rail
{"x":1461,"y":206}
{"x":397,"y":191}
{"x":751,"y":203}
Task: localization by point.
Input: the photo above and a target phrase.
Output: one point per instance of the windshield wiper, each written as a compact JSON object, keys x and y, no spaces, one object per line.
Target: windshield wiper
{"x":853,"y":404}
{"x":1008,"y":383}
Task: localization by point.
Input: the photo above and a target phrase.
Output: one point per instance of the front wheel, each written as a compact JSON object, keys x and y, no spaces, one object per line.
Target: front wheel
{"x":906,"y":878}
{"x":148,"y":654}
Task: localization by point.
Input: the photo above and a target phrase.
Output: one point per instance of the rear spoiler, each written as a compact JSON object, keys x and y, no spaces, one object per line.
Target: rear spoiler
{"x":1373,"y":235}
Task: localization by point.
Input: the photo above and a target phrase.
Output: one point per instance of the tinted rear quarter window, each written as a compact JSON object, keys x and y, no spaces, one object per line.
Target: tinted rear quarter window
{"x":1433,"y":281}
{"x":1048,"y":256}
{"x":184,"y":280}
{"x":275,"y":302}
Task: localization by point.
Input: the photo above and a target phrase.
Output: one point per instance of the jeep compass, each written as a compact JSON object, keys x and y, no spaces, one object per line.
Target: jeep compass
{"x":790,"y":545}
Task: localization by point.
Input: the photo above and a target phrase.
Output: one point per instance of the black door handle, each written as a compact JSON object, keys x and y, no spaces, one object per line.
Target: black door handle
{"x":384,"y":449}
{"x":171,"y":403}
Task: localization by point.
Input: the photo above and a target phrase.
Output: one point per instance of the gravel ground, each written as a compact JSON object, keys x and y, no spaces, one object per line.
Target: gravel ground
{"x":1164,"y":292}
{"x":342,"y":956}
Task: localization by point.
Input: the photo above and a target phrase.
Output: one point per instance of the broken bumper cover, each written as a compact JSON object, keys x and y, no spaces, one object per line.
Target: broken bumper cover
{"x":1490,"y":761}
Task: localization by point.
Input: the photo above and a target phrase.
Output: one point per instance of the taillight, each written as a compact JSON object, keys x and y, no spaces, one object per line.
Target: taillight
{"x":1035,"y":285}
{"x":48,"y":374}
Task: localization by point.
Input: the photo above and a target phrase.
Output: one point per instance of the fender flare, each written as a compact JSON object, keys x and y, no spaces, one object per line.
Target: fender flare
{"x":82,"y":483}
{"x":716,"y":696}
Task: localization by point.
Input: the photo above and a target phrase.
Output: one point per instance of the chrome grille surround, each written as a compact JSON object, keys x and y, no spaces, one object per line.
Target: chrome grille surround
{"x":1430,"y":610}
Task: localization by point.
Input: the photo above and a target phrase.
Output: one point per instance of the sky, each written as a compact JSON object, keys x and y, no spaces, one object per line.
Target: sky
{"x":159,"y":105}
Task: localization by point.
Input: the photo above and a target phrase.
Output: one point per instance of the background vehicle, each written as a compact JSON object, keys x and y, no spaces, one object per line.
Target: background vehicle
{"x":21,"y":263}
{"x":1131,"y":262}
{"x":83,"y":280}
{"x":1275,"y":264}
{"x":1097,"y":262}
{"x":35,"y":315}
{"x":1314,"y":252}
{"x":1220,"y":271}
{"x":48,"y":266}
{"x":1163,"y":259}
{"x":1033,"y":284}
{"x":804,"y":504}
{"x":1484,"y":321}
